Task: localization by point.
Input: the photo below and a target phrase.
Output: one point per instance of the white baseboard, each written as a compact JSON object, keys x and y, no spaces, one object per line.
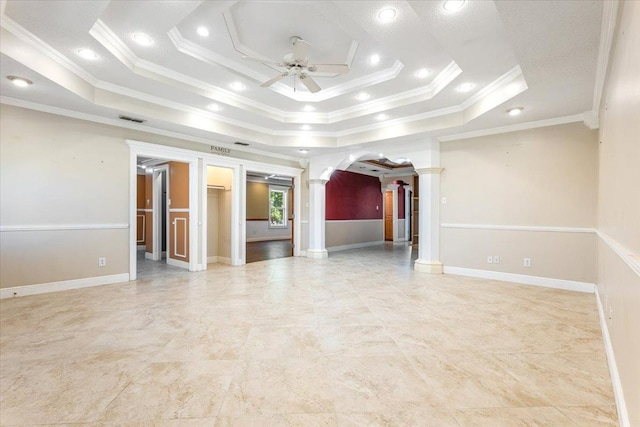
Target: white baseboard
{"x":303,"y":253}
{"x":354,"y":246}
{"x":266,"y":239}
{"x":547,"y":282}
{"x":212,"y":259}
{"x":65,"y":285}
{"x":618,"y":393}
{"x":177,"y":263}
{"x":141,"y":247}
{"x":148,"y":255}
{"x":224,"y":260}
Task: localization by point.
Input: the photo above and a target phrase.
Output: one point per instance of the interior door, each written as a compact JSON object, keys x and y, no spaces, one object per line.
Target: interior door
{"x":388,"y":216}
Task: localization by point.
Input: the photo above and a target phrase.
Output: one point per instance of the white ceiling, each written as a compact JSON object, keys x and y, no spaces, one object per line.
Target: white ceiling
{"x":539,"y":55}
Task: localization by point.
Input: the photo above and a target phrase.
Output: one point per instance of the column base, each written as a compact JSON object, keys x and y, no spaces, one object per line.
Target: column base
{"x":317,"y":253}
{"x":431,"y":267}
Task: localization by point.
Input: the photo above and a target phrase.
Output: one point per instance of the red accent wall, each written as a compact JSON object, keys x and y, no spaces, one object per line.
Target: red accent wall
{"x":353,"y":196}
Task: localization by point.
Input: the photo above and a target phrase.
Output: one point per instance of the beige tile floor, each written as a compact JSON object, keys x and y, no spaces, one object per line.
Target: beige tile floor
{"x":359,"y":339}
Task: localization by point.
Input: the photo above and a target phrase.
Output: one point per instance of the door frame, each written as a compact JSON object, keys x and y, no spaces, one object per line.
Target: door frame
{"x":157,"y":206}
{"x":145,"y":149}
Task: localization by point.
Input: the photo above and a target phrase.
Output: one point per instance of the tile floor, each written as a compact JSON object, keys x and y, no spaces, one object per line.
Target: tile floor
{"x":359,"y":339}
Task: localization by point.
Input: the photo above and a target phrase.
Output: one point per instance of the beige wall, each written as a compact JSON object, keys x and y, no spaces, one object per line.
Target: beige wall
{"x":545,"y":177}
{"x":619,"y":204}
{"x":353,"y":232}
{"x":219,"y":202}
{"x":56,"y":171}
{"x":42,"y":157}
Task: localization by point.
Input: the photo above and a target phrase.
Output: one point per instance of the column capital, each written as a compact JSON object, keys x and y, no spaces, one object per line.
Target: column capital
{"x":318,"y":181}
{"x":392,"y":186}
{"x":428,"y":171}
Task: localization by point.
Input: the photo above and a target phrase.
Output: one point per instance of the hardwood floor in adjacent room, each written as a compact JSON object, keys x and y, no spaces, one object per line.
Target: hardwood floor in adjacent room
{"x":263,"y":251}
{"x":359,"y":338}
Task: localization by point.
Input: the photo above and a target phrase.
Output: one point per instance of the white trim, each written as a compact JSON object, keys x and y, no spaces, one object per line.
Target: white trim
{"x":618,"y":391}
{"x":543,"y":228}
{"x":212,"y":259}
{"x":179,"y":210}
{"x":355,"y":246}
{"x":144,"y":228}
{"x":224,"y":260}
{"x":514,"y":128}
{"x":64,"y":285}
{"x":63,"y":227}
{"x":633,"y":261}
{"x":149,"y":255}
{"x":177,"y":263}
{"x":175,"y":240}
{"x":128,"y":125}
{"x":547,"y":282}
{"x":142,"y":247}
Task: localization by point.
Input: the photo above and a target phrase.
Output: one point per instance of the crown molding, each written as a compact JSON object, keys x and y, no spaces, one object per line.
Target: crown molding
{"x":27,"y":37}
{"x":591,"y":119}
{"x":122,"y":124}
{"x":513,"y":128}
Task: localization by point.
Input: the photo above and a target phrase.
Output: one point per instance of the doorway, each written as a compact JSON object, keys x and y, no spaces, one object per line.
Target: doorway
{"x":270,"y":217}
{"x":388,"y":216}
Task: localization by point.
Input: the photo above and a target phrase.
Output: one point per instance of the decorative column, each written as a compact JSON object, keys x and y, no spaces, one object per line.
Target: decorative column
{"x":394,"y":189}
{"x":429,"y":221}
{"x":317,"y":200}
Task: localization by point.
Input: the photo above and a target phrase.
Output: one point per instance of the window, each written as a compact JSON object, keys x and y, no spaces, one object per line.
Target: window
{"x":278,"y":206}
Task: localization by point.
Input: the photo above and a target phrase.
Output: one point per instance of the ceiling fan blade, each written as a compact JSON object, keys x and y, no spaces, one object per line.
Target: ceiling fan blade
{"x":309,"y":83}
{"x":300,"y":49}
{"x":262,"y":61}
{"x":274,"y":79}
{"x":329,"y":68}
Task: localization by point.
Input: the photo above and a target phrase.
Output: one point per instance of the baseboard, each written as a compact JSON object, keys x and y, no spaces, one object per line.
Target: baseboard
{"x":148,"y":255}
{"x":224,"y":260}
{"x":64,"y":285}
{"x":177,"y":263}
{"x":618,"y":393}
{"x":547,"y":282}
{"x":141,"y":247}
{"x":354,"y":246}
{"x":266,"y":239}
{"x":212,"y":259}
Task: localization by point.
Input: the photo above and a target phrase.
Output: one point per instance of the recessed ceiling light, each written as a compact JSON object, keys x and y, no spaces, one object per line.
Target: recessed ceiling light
{"x":362,"y":96}
{"x":308,"y":108}
{"x":142,"y":39}
{"x":386,"y":15}
{"x":374,"y":59}
{"x":87,"y":54}
{"x":20,"y":81}
{"x":203,"y":31}
{"x":213,"y":107}
{"x":423,"y":73}
{"x":237,"y":86}
{"x":304,"y":150}
{"x":305,"y":127}
{"x":515,"y":111}
{"x":381,"y":117}
{"x":465,"y":87}
{"x":453,"y":5}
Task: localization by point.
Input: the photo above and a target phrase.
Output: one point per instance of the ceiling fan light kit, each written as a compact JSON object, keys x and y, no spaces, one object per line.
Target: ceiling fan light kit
{"x":296,"y":64}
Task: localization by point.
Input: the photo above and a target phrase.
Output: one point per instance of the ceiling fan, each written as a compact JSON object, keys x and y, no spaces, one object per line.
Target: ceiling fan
{"x":297,"y":64}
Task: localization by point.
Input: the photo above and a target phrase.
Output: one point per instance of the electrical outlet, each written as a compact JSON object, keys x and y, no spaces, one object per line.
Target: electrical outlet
{"x":490,"y":259}
{"x":527,"y":262}
{"x":444,"y":200}
{"x":102,"y":261}
{"x":496,"y":259}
